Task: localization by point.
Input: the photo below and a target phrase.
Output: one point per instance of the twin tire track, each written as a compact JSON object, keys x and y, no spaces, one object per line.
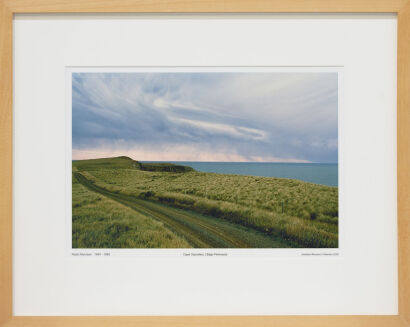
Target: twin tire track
{"x":198,"y":230}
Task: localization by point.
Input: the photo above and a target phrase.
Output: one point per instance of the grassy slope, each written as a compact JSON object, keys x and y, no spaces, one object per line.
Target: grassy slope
{"x":199,"y":230}
{"x":102,"y":223}
{"x":310,"y":210}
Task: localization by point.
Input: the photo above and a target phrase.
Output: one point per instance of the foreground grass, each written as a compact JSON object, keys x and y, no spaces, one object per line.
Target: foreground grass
{"x":292,"y":210}
{"x":199,"y":230}
{"x":99,"y":222}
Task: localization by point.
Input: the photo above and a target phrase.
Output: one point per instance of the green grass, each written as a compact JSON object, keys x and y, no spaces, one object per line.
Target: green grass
{"x":102,"y":223}
{"x":296,"y":211}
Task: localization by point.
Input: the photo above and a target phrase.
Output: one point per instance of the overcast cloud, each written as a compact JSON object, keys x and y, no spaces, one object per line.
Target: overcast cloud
{"x":287,"y":117}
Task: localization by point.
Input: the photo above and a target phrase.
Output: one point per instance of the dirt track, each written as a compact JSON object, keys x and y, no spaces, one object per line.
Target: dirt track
{"x":199,"y":230}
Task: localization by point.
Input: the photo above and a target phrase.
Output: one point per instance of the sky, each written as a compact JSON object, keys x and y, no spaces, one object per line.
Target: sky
{"x":212,"y":116}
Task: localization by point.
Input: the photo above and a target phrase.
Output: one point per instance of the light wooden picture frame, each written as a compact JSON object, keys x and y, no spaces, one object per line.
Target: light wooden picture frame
{"x":10,"y":7}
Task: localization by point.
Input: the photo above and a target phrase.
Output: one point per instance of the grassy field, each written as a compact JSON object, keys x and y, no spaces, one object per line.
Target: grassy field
{"x":290,"y":212}
{"x":99,"y":222}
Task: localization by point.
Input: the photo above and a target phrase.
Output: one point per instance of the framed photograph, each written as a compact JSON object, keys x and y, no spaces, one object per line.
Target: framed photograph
{"x":204,"y":164}
{"x":211,"y":173}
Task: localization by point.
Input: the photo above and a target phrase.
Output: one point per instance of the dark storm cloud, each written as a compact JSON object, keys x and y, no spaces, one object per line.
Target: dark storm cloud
{"x":251,"y":116}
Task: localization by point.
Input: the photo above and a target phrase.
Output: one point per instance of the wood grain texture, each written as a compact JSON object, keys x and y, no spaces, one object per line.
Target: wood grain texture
{"x":6,"y":153}
{"x":210,"y":321}
{"x":403,"y":159}
{"x":58,"y":6}
{"x":9,"y":7}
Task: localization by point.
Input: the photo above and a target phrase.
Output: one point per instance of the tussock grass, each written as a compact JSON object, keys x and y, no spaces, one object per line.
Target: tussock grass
{"x":293,"y":210}
{"x":99,"y":222}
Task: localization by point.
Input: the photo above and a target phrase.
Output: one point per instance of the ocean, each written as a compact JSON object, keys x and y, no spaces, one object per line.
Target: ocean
{"x":318,"y":173}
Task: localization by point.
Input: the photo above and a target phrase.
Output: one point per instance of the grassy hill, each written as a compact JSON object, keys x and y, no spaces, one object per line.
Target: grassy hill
{"x":299,"y":213}
{"x":126,"y":162}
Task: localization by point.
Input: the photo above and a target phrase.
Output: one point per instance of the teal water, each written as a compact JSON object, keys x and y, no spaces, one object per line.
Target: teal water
{"x":318,"y":173}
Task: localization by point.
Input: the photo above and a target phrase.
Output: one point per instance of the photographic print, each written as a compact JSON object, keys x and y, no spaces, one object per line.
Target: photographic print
{"x":205,"y":159}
